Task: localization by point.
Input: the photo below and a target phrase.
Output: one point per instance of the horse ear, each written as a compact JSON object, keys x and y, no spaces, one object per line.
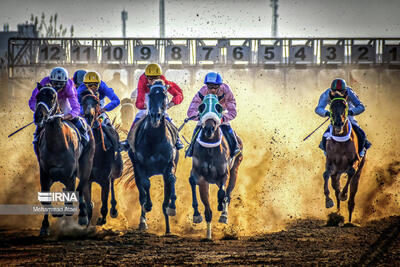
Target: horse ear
{"x":219,"y":108}
{"x":201,"y":96}
{"x":221,"y":97}
{"x":201,"y":108}
{"x":39,"y":86}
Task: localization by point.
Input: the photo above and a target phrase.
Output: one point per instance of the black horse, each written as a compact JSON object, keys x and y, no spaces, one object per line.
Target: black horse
{"x":107,"y":163}
{"x":152,"y":152}
{"x":60,"y":154}
{"x":212,"y":164}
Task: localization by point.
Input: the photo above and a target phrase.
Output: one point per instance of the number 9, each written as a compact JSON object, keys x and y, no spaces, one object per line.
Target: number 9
{"x":146,"y":52}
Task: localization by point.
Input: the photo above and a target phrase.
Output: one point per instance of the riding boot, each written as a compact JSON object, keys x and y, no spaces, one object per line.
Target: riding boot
{"x":231,"y":138}
{"x":124,"y":145}
{"x":85,"y":136}
{"x":363,"y":143}
{"x":178,"y":143}
{"x":189,"y":151}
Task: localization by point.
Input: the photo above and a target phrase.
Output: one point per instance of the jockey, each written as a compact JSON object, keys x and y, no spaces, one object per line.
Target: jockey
{"x":67,"y":99}
{"x":213,"y":85}
{"x":338,"y":86}
{"x":93,"y":82}
{"x":151,"y":74}
{"x":78,"y":77}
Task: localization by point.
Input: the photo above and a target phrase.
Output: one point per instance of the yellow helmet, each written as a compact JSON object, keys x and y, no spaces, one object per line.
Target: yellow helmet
{"x":91,"y":77}
{"x":153,"y":69}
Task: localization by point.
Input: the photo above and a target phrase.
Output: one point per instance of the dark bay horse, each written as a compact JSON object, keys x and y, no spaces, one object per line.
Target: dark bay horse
{"x":60,"y":154}
{"x":342,"y":155}
{"x":212,"y":164}
{"x":107,"y":163}
{"x":152,"y":152}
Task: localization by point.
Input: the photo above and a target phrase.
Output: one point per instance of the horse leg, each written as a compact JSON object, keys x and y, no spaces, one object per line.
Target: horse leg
{"x":45,"y":184}
{"x":148,"y":205}
{"x":223,"y":202}
{"x":142,"y":198}
{"x":105,"y":189}
{"x":69,"y":187}
{"x":204,"y":195}
{"x":169,"y":183}
{"x":336,"y":186}
{"x":196,"y":216}
{"x":328,"y":200}
{"x":353,"y":191}
{"x":233,"y":176}
{"x":171,"y":209}
{"x":113,"y":210}
{"x":343,"y":193}
{"x":83,"y":213}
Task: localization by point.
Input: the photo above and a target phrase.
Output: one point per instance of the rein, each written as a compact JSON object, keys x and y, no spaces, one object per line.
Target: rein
{"x":97,"y":118}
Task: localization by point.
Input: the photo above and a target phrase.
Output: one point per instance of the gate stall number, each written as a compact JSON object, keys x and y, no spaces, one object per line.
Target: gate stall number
{"x":145,"y":53}
{"x":391,"y":53}
{"x":207,"y":53}
{"x":177,"y":53}
{"x":268,"y":54}
{"x":83,"y":53}
{"x":362,"y":54}
{"x":113,"y":53}
{"x":332,"y":53}
{"x":51,"y":53}
{"x":238,"y":53}
{"x":301,"y":54}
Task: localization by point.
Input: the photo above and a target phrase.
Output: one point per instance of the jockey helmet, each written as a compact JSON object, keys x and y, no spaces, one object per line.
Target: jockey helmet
{"x":58,"y":77}
{"x":153,"y":69}
{"x":338,"y":85}
{"x":213,"y":77}
{"x":92,"y":79}
{"x":78,"y":77}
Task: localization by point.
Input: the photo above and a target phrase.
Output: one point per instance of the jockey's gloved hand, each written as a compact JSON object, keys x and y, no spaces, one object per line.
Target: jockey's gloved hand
{"x":350,"y":112}
{"x":327,"y":114}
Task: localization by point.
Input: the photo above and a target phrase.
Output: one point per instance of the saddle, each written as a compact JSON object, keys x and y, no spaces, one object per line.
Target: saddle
{"x":85,"y":125}
{"x":136,"y":133}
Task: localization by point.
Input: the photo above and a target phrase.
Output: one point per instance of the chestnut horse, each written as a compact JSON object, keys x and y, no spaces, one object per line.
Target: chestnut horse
{"x":342,"y":155}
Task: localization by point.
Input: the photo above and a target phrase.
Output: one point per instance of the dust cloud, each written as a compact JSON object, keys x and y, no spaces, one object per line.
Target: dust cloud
{"x":280,"y":178}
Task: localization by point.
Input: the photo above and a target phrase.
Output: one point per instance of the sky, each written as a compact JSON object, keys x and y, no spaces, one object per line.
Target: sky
{"x":212,"y":18}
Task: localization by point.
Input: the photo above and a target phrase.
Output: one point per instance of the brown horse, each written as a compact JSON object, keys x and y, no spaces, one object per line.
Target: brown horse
{"x":60,"y":154}
{"x":107,"y":163}
{"x":342,"y":155}
{"x":212,"y":164}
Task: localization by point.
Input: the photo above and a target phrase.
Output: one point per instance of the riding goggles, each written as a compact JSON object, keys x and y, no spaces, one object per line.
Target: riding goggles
{"x":153,"y":77}
{"x":57,"y":84}
{"x":212,"y":86}
{"x":89,"y":85}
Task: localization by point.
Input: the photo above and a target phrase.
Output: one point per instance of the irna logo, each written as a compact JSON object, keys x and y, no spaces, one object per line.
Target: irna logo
{"x":58,"y":196}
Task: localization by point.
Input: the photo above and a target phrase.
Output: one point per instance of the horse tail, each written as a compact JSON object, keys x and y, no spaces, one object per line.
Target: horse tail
{"x":128,"y":176}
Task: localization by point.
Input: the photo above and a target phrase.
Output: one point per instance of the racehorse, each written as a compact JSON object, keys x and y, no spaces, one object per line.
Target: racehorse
{"x":61,"y":155}
{"x":212,"y":163}
{"x":342,"y":155}
{"x":152,"y":152}
{"x":107,"y":163}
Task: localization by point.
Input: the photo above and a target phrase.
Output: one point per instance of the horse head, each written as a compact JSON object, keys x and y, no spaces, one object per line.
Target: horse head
{"x":210,"y":111}
{"x":90,"y":106}
{"x":157,"y":103}
{"x":339,"y":109}
{"x":46,"y":105}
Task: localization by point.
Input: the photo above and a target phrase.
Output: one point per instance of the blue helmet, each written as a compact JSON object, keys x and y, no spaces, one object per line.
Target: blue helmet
{"x":78,"y":77}
{"x":213,"y":77}
{"x":59,"y":74}
{"x":58,"y":77}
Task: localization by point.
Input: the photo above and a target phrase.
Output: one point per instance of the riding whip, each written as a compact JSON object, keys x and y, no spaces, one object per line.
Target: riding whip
{"x":20,"y":129}
{"x":316,"y":129}
{"x":185,"y":121}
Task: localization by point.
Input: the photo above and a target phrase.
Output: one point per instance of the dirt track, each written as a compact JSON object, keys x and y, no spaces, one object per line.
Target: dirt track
{"x":305,"y":242}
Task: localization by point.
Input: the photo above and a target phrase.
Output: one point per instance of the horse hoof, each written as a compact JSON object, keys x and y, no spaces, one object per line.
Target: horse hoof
{"x":83,"y":220}
{"x":101,"y":221}
{"x":171,"y":212}
{"x":329,"y":203}
{"x":114,"y":213}
{"x":342,"y":197}
{"x":44,"y":231}
{"x":143,"y":226}
{"x":223,"y":219}
{"x":197,"y":219}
